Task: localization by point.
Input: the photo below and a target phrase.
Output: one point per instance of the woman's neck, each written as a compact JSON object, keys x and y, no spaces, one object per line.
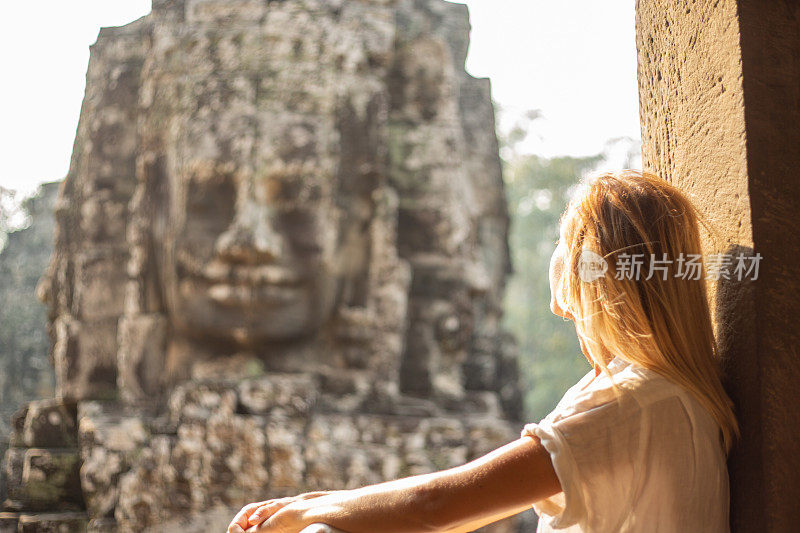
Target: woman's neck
{"x":604,"y":355}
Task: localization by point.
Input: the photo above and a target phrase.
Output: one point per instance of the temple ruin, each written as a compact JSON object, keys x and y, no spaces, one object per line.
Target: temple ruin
{"x":279,"y":261}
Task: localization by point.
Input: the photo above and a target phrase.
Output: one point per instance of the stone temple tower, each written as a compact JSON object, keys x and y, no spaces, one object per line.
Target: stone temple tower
{"x":279,"y":263}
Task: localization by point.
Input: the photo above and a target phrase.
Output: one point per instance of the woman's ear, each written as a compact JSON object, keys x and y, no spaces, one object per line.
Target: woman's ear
{"x":555,"y":272}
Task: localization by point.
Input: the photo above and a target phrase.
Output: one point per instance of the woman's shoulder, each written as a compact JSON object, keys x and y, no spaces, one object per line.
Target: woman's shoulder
{"x":628,"y":388}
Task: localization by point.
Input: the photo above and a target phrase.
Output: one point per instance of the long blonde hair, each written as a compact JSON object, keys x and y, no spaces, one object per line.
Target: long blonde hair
{"x":662,"y":323}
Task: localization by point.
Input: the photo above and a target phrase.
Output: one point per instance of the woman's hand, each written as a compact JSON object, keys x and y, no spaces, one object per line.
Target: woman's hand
{"x":255,"y":513}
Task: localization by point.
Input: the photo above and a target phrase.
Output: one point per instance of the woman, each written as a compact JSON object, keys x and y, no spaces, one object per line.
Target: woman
{"x":638,"y":444}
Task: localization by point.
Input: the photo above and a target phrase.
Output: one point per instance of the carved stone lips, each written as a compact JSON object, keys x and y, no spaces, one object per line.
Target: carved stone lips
{"x":237,"y":295}
{"x":218,"y":272}
{"x":236,"y":285}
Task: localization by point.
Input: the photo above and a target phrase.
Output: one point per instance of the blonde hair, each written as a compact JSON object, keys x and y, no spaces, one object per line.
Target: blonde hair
{"x":662,"y":323}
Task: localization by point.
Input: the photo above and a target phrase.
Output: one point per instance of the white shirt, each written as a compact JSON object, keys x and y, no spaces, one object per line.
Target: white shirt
{"x":652,"y":461}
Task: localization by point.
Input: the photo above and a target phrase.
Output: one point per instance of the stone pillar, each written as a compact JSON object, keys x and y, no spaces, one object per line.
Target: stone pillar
{"x":719,"y":92}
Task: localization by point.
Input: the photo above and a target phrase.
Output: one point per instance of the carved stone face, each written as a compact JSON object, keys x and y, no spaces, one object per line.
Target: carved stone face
{"x":251,"y":249}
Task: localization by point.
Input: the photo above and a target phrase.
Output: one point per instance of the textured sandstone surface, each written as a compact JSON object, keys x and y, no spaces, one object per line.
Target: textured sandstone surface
{"x":719,"y":86}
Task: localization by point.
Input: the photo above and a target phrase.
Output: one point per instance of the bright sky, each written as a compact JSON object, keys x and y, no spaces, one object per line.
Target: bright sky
{"x":573,"y":60}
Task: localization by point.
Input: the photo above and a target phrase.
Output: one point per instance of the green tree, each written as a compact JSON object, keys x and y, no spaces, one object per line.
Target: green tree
{"x":12,"y":214}
{"x":550,"y":356}
{"x":537,"y":190}
{"x":25,"y":371}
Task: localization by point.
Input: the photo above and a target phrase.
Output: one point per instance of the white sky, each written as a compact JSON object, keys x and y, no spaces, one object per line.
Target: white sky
{"x":574,"y":60}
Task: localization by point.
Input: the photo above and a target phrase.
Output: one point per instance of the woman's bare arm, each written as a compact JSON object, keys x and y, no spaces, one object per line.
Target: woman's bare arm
{"x":477,"y":524}
{"x":503,"y":482}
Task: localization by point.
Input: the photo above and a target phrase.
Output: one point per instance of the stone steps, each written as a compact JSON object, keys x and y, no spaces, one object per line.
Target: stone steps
{"x":75,"y":522}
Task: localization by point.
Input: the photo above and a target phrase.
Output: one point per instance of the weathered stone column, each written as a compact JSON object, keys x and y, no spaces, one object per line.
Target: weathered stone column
{"x":719,"y":92}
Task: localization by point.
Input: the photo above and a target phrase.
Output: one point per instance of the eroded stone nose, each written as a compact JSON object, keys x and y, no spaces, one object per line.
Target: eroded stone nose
{"x":251,"y":238}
